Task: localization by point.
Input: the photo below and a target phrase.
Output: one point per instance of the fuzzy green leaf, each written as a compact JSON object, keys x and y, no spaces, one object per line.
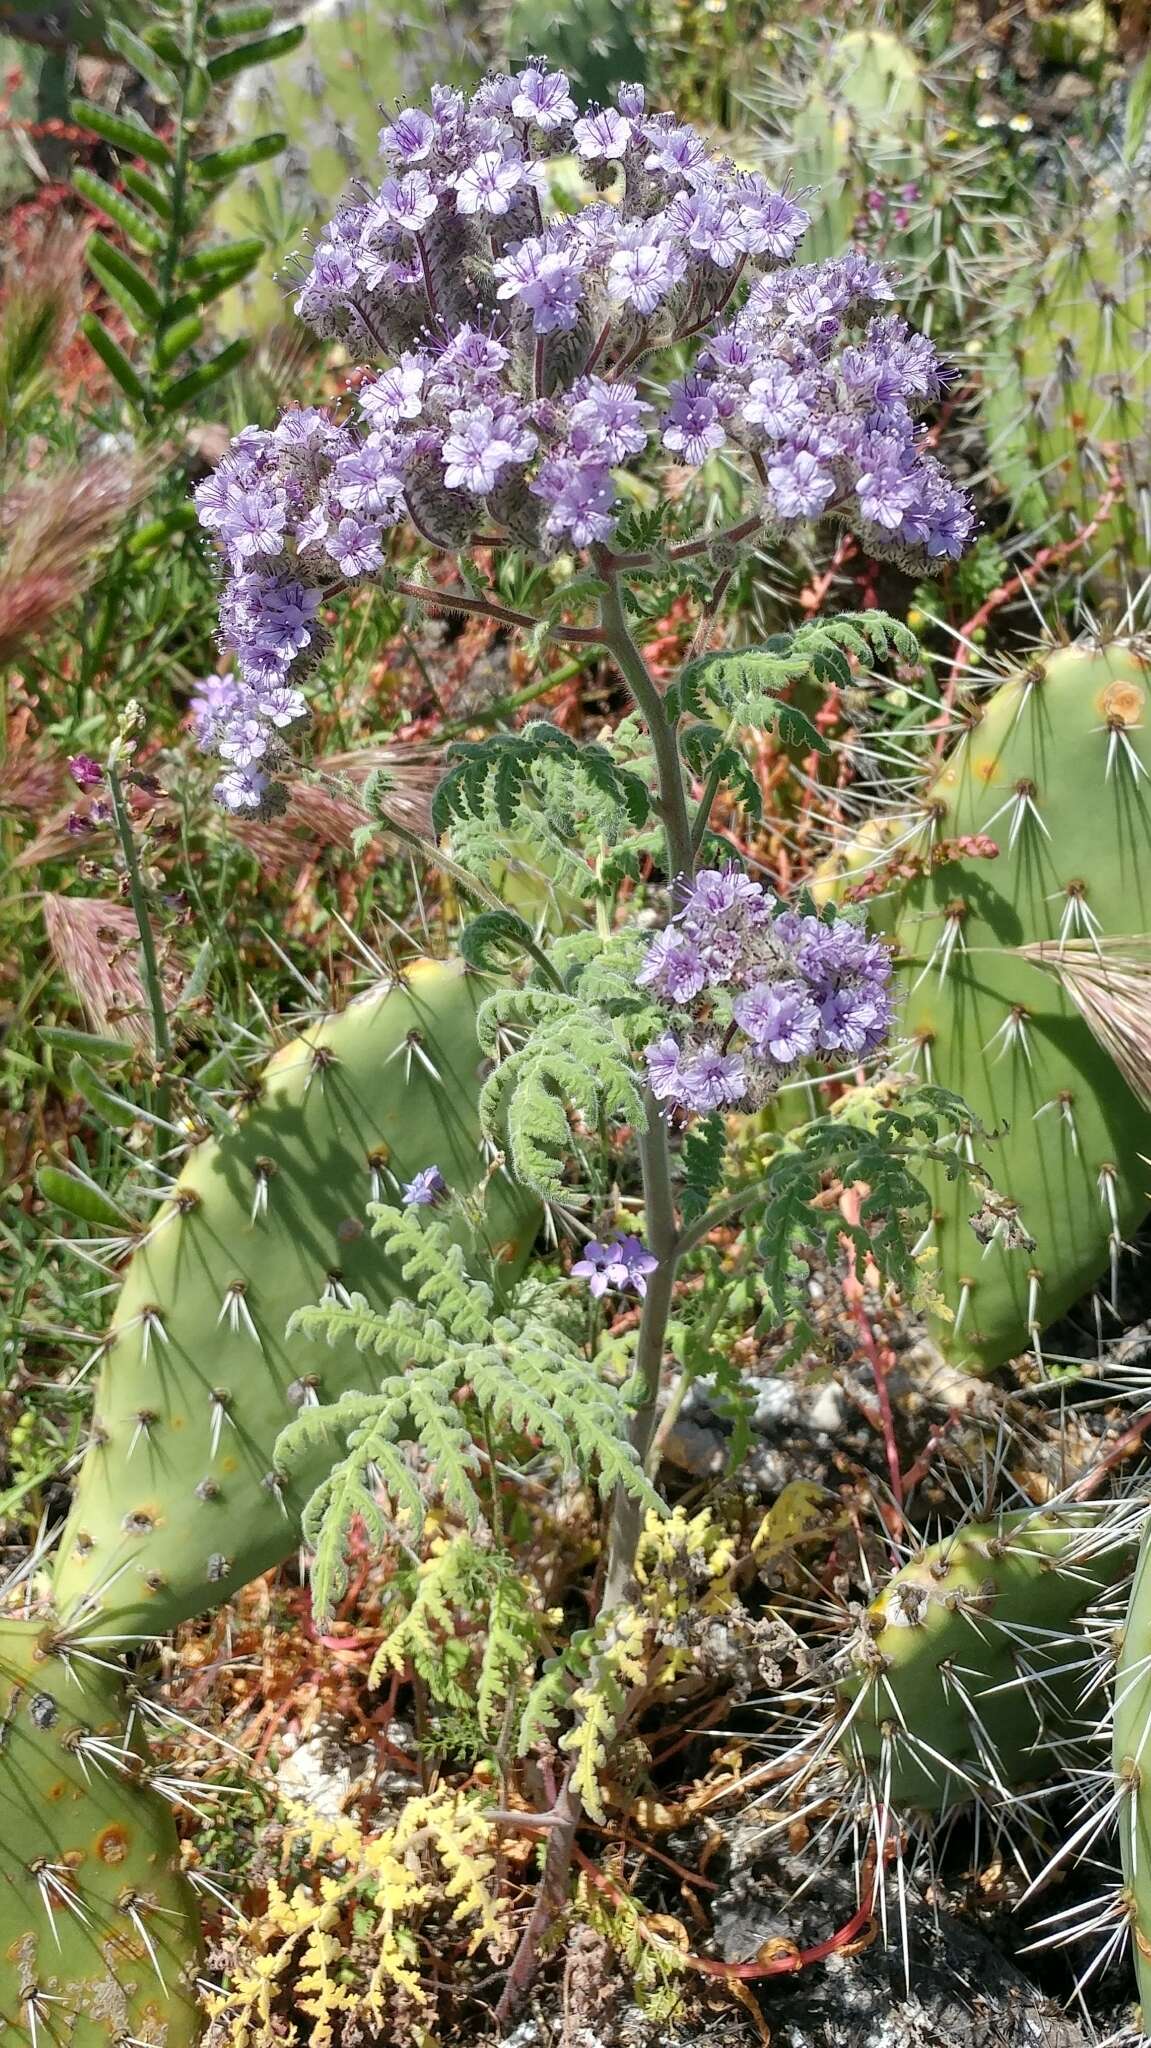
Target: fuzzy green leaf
{"x":222,"y":164}
{"x":131,"y":222}
{"x":78,"y":1196}
{"x":124,"y":131}
{"x":114,"y":359}
{"x":246,"y":18}
{"x":201,"y":379}
{"x":143,"y":58}
{"x":229,"y":63}
{"x":142,"y":187}
{"x":125,"y":282}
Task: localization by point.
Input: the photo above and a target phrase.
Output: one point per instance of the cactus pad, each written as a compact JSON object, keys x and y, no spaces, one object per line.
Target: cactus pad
{"x":177,"y":1502}
{"x":99,"y":1937}
{"x":1056,"y":773}
{"x":1068,"y":384}
{"x":969,"y":1662}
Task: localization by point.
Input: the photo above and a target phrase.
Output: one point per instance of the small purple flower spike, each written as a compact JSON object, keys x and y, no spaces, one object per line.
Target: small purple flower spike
{"x":425,"y":1189}
{"x":85,"y":772}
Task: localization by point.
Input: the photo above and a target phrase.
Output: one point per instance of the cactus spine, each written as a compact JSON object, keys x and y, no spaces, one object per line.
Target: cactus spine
{"x":968,"y":1663}
{"x":99,"y":1938}
{"x":1132,"y":1765}
{"x":1067,"y":389}
{"x":878,"y":165}
{"x":1056,"y":773}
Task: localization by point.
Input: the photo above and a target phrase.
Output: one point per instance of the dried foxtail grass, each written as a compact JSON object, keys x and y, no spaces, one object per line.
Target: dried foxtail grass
{"x":96,"y":947}
{"x":329,"y":811}
{"x":1109,"y":981}
{"x":53,"y":529}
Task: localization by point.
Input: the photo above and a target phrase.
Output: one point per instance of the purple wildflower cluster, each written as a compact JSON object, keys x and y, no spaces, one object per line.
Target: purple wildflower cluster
{"x":755,"y":989}
{"x":507,"y":385}
{"x":624,"y":1262}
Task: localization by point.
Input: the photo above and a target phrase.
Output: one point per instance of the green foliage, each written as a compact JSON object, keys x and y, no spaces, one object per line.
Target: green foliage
{"x":165,"y":289}
{"x":494,"y":777}
{"x":452,"y":1362}
{"x":747,"y":683}
{"x":469,"y":1628}
{"x":888,"y":1147}
{"x":702,"y":1156}
{"x":601,"y":44}
{"x":970,"y":1662}
{"x":886,"y":153}
{"x":573,"y":1059}
{"x":177,"y":1501}
{"x":99,"y":1935}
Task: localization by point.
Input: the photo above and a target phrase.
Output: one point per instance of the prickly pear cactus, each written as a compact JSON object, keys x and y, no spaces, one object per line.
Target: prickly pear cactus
{"x":861,"y":125}
{"x":969,"y":1662}
{"x":1067,"y":387}
{"x":177,"y":1502}
{"x":1055,"y":773}
{"x":1132,"y":1763}
{"x":599,"y":43}
{"x":876,"y":164}
{"x":329,"y":98}
{"x":99,"y":1937}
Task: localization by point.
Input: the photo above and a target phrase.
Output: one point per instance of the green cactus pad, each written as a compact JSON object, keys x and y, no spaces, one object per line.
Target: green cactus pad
{"x":599,"y":43}
{"x":1131,"y":1754}
{"x":955,"y":1683}
{"x":99,"y":1938}
{"x":861,"y":123}
{"x":177,"y":1503}
{"x":1056,"y":774}
{"x":1067,"y":386}
{"x":330,"y":98}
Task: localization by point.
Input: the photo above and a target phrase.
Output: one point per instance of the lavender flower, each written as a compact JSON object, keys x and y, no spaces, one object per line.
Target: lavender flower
{"x":503,"y":351}
{"x":623,"y":1263}
{"x":86,"y":773}
{"x":756,"y":989}
{"x":425,"y":1189}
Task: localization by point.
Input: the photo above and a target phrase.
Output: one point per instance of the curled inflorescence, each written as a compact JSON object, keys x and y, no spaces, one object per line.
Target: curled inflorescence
{"x":753,"y":990}
{"x":507,"y":385}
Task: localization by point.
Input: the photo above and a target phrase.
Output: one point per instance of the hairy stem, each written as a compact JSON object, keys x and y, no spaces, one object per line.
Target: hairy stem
{"x":616,"y":636}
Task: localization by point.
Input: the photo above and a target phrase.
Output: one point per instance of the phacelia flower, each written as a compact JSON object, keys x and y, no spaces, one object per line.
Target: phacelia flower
{"x":623,"y":1263}
{"x":504,"y":350}
{"x":425,"y":1189}
{"x":752,"y":989}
